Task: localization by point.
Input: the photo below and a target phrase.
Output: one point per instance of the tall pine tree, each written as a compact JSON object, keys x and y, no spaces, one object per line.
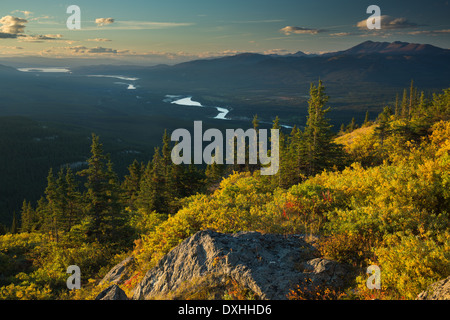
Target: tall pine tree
{"x":321,"y":151}
{"x":101,"y":196}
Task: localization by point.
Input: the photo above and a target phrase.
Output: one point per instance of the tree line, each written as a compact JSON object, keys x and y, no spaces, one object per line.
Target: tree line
{"x":101,"y":208}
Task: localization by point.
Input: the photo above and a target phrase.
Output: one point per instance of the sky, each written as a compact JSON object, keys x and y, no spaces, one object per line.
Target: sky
{"x":170,"y":31}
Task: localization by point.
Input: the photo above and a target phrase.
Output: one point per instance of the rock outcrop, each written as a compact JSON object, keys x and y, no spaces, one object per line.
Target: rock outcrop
{"x":113,"y":292}
{"x":118,"y":273}
{"x":268,"y":265}
{"x":439,"y":290}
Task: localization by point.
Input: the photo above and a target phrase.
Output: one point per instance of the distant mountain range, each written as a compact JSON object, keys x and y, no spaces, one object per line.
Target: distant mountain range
{"x":388,"y":64}
{"x":371,"y":47}
{"x":369,"y":72}
{"x":393,"y":48}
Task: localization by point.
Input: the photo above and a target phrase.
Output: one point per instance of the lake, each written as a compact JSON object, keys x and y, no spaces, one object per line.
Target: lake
{"x":187,"y":101}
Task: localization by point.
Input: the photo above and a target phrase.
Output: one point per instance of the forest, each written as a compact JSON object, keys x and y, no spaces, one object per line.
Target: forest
{"x":378,"y":193}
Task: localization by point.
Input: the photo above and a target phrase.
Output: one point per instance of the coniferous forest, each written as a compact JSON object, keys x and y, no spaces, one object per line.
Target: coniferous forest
{"x":375,"y":193}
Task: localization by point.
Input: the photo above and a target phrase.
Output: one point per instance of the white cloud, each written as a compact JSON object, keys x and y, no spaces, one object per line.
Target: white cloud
{"x":99,"y":40}
{"x":276,"y":51}
{"x":341,"y":34}
{"x":388,"y":22}
{"x":288,"y":30}
{"x":142,"y":25}
{"x":95,"y":50}
{"x":104,"y":21}
{"x":429,"y":32}
{"x":26,"y":13}
{"x":39,"y":38}
{"x":12,"y":25}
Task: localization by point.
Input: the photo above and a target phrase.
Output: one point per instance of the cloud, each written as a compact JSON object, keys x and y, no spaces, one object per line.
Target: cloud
{"x":288,"y":30}
{"x":96,"y":50}
{"x":99,"y":40}
{"x":12,"y":25}
{"x":104,"y":21}
{"x":429,"y":32}
{"x":39,"y":38}
{"x":276,"y":51}
{"x":11,"y":47}
{"x":102,"y":50}
{"x":148,"y":25}
{"x":26,"y":13}
{"x":388,"y":22}
{"x":4,"y":35}
{"x":43,"y":20}
{"x":258,"y":21}
{"x":341,"y":34}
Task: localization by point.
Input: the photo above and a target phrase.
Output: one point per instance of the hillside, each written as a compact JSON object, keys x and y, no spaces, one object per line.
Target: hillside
{"x":382,"y":199}
{"x":393,"y":48}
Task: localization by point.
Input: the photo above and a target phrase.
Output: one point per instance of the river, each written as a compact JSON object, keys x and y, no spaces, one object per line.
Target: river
{"x":187,"y":101}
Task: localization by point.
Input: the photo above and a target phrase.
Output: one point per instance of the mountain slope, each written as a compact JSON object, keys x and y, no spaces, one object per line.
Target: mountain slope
{"x":396,"y":47}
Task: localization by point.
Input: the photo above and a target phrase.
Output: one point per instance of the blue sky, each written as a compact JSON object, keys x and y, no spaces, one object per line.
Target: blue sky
{"x":177,"y":30}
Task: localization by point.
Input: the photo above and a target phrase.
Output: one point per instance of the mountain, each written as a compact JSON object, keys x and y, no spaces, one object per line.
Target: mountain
{"x":388,"y":64}
{"x":296,"y":54}
{"x":393,"y":48}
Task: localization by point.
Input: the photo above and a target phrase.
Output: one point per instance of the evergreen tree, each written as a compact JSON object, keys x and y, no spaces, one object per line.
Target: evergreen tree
{"x":42,"y":223}
{"x":382,"y":129}
{"x":352,"y":126}
{"x":255,"y":122}
{"x":166,"y":154}
{"x":101,"y":196}
{"x":114,"y":219}
{"x":152,"y":194}
{"x":292,"y":156}
{"x":404,"y":105}
{"x":422,"y":104}
{"x":54,"y":214}
{"x":214,"y":173}
{"x":14,"y":224}
{"x":73,"y":200}
{"x":131,"y":184}
{"x":396,"y":107}
{"x":342,"y":129}
{"x":412,"y":99}
{"x":321,"y":151}
{"x":27,"y":217}
{"x":366,"y":119}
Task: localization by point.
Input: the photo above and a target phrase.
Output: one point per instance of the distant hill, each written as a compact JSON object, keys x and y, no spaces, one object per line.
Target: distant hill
{"x":379,"y":63}
{"x":396,"y":47}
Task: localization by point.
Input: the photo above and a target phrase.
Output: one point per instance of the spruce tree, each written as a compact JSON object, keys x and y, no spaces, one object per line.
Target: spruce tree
{"x":54,"y":214}
{"x":396,"y":107}
{"x":14,"y":224}
{"x":382,"y":130}
{"x":101,"y":195}
{"x":131,"y":184}
{"x":27,"y":217}
{"x":404,"y":105}
{"x":366,"y":119}
{"x":321,"y":151}
{"x":152,"y":194}
{"x":73,"y":200}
